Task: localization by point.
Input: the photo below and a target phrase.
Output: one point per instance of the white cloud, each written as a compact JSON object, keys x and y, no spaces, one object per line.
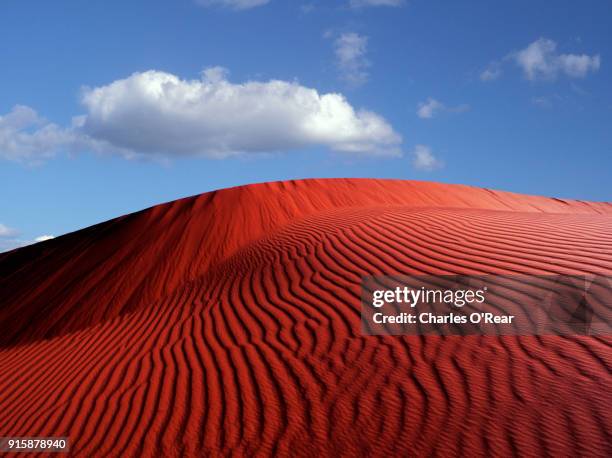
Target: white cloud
{"x":6,"y":231}
{"x":233,"y":4}
{"x":42,"y":238}
{"x":350,"y":49}
{"x":550,"y":100}
{"x":431,"y":107}
{"x":157,"y":113}
{"x":26,"y":137}
{"x":424,"y":159}
{"x":492,"y":72}
{"x":578,"y":66}
{"x":541,"y":102}
{"x":9,"y":239}
{"x":365,"y":3}
{"x":7,"y":245}
{"x":541,"y":61}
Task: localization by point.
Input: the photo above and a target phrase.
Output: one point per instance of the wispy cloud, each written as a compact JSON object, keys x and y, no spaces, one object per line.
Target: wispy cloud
{"x":492,"y":71}
{"x":541,"y":61}
{"x":432,"y":107}
{"x":6,"y":231}
{"x":424,"y":159}
{"x":233,"y":4}
{"x":366,"y":3}
{"x":350,"y":49}
{"x":541,"y":102}
{"x":9,"y":239}
{"x":307,"y":8}
{"x":551,"y":100}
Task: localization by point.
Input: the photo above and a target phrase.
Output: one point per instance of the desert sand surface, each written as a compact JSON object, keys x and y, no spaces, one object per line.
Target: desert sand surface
{"x":228,"y":324}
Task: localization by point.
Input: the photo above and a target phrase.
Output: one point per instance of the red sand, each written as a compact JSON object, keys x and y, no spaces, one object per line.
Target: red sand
{"x":228,"y":323}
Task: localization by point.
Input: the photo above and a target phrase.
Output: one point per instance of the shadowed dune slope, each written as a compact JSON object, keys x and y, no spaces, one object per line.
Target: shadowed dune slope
{"x":228,"y":324}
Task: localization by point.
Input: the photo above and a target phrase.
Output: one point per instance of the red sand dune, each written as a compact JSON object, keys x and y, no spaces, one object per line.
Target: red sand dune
{"x":228,"y":324}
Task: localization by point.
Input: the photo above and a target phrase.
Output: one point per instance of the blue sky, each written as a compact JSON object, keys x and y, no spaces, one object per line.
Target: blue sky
{"x":109,"y":107}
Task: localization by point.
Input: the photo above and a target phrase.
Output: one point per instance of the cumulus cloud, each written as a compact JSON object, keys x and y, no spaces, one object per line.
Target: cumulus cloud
{"x":424,"y":159}
{"x":233,"y":4}
{"x":350,"y":49}
{"x":541,"y":61}
{"x":27,"y":137}
{"x":432,"y":107}
{"x":157,"y":113}
{"x":365,"y":3}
